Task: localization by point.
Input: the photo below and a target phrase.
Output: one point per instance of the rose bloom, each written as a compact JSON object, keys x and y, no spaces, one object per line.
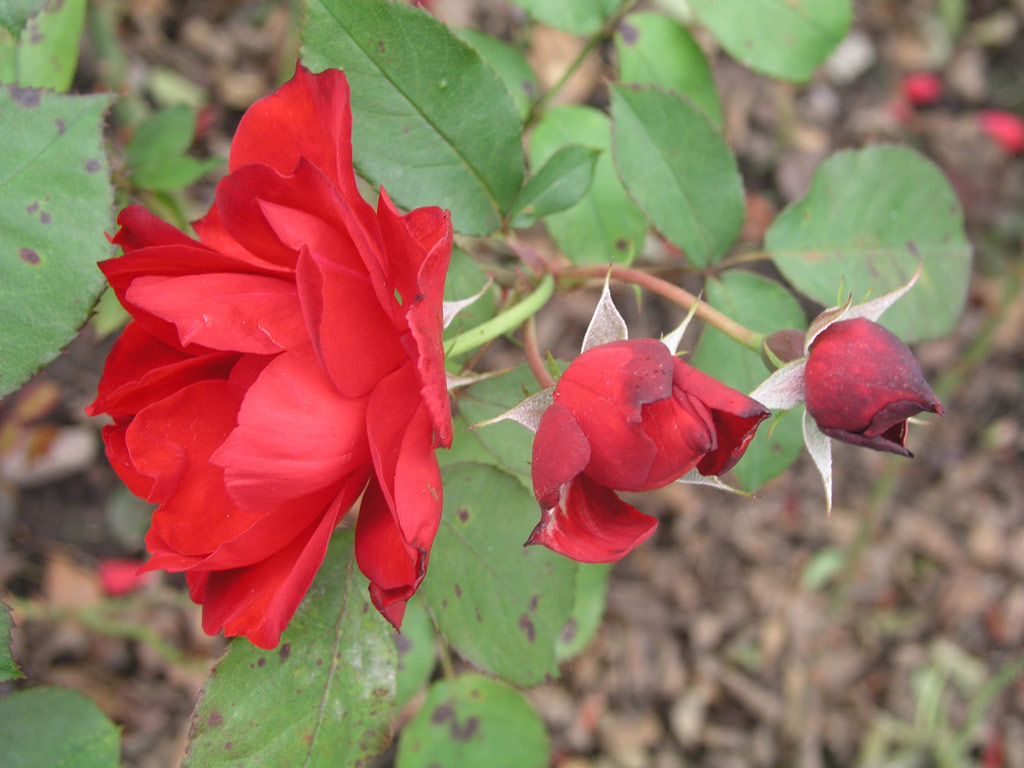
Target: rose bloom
{"x":862,"y":384}
{"x":280,"y":366}
{"x":628,"y":416}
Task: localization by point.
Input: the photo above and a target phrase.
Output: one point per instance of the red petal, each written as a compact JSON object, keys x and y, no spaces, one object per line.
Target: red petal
{"x":354,"y":337}
{"x":171,"y":441}
{"x":593,"y":525}
{"x":227,"y":311}
{"x":141,"y":229}
{"x":307,"y":117}
{"x":140,"y":369}
{"x":280,"y":523}
{"x":394,"y":568}
{"x":260,"y":600}
{"x":560,"y":453}
{"x":418,"y":248}
{"x":734,"y":416}
{"x":295,"y":434}
{"x":606,"y":389}
{"x":393,"y":553}
{"x":121,"y":461}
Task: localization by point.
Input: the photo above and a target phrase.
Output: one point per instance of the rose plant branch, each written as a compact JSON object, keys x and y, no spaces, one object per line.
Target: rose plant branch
{"x":504,"y":322}
{"x":533,"y":356}
{"x":675,"y":294}
{"x":607,"y":30}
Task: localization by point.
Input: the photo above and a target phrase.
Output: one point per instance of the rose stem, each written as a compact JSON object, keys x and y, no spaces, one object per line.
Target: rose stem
{"x":533,"y":357}
{"x":607,"y":30}
{"x":675,"y":294}
{"x":504,"y":322}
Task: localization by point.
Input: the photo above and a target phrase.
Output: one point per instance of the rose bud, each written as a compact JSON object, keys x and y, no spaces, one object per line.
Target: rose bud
{"x":628,"y":416}
{"x":862,"y":384}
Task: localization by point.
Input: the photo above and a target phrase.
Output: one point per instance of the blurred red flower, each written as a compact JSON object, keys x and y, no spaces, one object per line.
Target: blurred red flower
{"x":1006,"y":128}
{"x":119,"y":576}
{"x":628,"y":416}
{"x":922,"y":88}
{"x":862,"y":384}
{"x":280,"y":366}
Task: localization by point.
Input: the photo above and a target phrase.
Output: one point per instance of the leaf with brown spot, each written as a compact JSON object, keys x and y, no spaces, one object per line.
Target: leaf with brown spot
{"x":294,"y":711}
{"x":48,"y":274}
{"x":474,"y":720}
{"x":514,"y":602}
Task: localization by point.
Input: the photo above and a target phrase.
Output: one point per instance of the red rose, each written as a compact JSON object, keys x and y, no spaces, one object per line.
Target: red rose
{"x":280,"y":366}
{"x":628,"y":416}
{"x":862,"y":384}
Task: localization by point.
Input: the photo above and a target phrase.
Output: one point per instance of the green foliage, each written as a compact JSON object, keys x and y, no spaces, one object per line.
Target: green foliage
{"x":416,"y":653}
{"x":39,"y":43}
{"x":605,"y":226}
{"x":323,"y":697}
{"x":656,"y":50}
{"x":563,"y":180}
{"x":55,"y":201}
{"x":782,"y":38}
{"x":501,"y":605}
{"x":870,"y":217}
{"x":55,"y":728}
{"x":431,"y":121}
{"x":587,"y":609}
{"x":8,"y":666}
{"x":678,"y":168}
{"x":580,"y":17}
{"x":474,"y":721}
{"x":510,"y":64}
{"x":763,"y":306}
{"x":156,"y":155}
{"x":507,"y":444}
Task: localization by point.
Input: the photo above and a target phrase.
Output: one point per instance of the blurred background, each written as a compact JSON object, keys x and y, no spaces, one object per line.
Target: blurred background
{"x":746,"y":632}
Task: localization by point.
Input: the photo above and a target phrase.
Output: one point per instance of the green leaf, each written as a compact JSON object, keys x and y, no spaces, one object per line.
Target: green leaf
{"x":431,"y":121}
{"x":474,"y":721}
{"x":580,"y":17}
{"x":156,"y":153}
{"x":322,"y":698}
{"x":605,"y":226}
{"x":8,"y":666}
{"x":763,"y":306}
{"x":507,"y":444}
{"x":55,"y":728}
{"x":15,"y":13}
{"x":416,"y":653}
{"x":587,"y":609}
{"x":678,"y":168}
{"x":510,"y":64}
{"x":826,"y":564}
{"x":657,"y":50}
{"x":466,"y":277}
{"x":43,"y":53}
{"x":55,"y":200}
{"x":870,"y":217}
{"x":563,"y":180}
{"x":501,"y":605}
{"x":782,"y":38}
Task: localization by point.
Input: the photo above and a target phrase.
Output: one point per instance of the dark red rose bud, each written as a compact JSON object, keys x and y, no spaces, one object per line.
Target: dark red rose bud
{"x":863,"y":383}
{"x":628,"y":416}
